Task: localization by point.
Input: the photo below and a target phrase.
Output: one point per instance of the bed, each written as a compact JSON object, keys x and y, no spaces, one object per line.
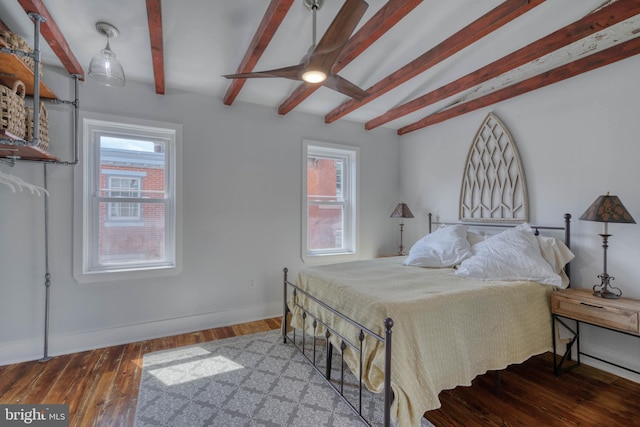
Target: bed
{"x":408,"y":332}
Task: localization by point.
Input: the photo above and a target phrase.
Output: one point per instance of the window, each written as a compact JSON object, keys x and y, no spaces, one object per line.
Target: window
{"x":125,"y":187}
{"x":129,"y":199}
{"x":329,"y":212}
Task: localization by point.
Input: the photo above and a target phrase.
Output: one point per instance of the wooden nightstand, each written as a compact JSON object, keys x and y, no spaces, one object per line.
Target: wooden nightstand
{"x":620,"y":315}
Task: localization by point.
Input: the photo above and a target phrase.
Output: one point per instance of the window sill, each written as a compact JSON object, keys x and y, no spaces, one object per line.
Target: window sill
{"x":133,"y":274}
{"x":329,"y":258}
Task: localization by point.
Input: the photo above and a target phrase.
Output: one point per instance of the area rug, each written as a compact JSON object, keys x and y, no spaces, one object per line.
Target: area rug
{"x":250,"y":380}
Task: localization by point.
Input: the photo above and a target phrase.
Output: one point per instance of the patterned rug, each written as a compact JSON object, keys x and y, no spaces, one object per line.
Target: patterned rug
{"x":251,"y":380}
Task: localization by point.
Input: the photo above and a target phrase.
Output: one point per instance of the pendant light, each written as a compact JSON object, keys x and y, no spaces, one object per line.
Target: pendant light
{"x":104,"y":67}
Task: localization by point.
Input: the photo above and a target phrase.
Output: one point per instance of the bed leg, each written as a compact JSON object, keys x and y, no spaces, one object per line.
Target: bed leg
{"x":327,"y":372}
{"x":567,"y":240}
{"x":285,"y":307}
{"x":388,"y":393}
{"x":497,"y":383}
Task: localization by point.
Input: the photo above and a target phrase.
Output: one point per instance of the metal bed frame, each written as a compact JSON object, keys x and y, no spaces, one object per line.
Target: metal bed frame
{"x":344,"y":343}
{"x":386,"y":340}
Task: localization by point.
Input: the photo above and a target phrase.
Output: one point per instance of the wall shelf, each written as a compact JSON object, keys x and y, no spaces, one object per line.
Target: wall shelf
{"x":12,"y":68}
{"x":23,"y":152}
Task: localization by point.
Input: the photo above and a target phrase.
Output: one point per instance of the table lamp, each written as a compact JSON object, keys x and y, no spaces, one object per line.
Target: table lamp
{"x":607,"y":209}
{"x":401,"y":211}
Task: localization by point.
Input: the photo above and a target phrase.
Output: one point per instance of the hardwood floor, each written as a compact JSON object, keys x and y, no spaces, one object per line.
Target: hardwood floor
{"x":101,"y":388}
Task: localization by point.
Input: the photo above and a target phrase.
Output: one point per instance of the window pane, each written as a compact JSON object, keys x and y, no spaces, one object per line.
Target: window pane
{"x":124,"y":187}
{"x":324,"y":179}
{"x":325,"y":227}
{"x":143,"y":241}
{"x":129,"y":231}
{"x":120,"y":156}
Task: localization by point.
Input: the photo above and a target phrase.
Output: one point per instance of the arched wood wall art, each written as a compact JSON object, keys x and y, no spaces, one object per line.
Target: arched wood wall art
{"x":493,"y":185}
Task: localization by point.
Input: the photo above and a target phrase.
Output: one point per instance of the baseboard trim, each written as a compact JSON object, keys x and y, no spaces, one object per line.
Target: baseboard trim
{"x":33,"y":349}
{"x":615,"y":357}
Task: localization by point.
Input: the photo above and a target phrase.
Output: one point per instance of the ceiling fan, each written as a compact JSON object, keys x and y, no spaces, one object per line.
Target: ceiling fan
{"x":316,"y":67}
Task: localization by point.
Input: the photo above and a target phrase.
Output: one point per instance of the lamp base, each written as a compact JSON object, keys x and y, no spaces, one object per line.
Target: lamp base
{"x":605,"y":290}
{"x":606,"y":294}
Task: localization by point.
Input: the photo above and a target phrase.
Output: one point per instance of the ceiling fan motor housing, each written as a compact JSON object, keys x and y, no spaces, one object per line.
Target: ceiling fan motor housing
{"x":313,"y":4}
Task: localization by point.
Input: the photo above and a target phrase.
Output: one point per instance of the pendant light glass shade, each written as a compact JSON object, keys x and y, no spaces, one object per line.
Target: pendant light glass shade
{"x":105,"y":67}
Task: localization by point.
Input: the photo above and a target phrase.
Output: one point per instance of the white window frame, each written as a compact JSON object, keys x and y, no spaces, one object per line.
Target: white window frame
{"x":86,"y":192}
{"x":350,"y":191}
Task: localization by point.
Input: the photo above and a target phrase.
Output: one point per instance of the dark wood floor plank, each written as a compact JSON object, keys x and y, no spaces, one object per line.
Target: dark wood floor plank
{"x":16,"y":381}
{"x":97,"y":409}
{"x":101,"y":387}
{"x":81,"y":393}
{"x":121,"y":406}
{"x":9,"y":375}
{"x":224,"y":332}
{"x":19,"y":379}
{"x":41,"y":385}
{"x":250,"y":328}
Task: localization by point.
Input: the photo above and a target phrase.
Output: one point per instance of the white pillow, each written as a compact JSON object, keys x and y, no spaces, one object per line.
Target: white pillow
{"x":513,"y":254}
{"x":475,"y":238}
{"x":557,"y":254}
{"x":444,"y":247}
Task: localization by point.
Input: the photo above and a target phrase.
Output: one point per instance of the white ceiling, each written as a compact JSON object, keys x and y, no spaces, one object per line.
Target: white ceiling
{"x":204,"y":39}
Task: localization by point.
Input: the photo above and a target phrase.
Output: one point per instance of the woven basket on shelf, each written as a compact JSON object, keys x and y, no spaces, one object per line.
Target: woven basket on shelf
{"x":16,"y":42}
{"x":12,"y":109}
{"x":43,"y":126}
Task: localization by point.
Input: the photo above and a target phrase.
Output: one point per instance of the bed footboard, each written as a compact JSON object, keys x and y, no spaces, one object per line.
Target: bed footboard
{"x":298,"y":340}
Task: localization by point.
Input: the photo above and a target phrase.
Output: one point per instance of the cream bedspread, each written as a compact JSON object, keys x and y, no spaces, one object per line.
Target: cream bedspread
{"x":447,"y":329}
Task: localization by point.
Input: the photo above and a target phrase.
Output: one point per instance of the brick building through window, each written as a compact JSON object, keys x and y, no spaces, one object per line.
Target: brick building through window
{"x":325,"y":216}
{"x":131,"y":230}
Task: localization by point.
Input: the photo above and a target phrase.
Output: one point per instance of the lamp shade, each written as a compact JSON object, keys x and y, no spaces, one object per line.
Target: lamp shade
{"x":402,"y":211}
{"x":106,"y":69}
{"x":608,"y":209}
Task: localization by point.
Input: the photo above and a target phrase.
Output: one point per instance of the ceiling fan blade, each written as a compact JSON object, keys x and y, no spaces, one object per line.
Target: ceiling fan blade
{"x":345,"y":87}
{"x":336,"y":36}
{"x":293,"y":72}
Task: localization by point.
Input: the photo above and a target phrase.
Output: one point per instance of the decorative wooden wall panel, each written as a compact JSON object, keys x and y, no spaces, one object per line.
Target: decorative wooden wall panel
{"x":493,"y":184}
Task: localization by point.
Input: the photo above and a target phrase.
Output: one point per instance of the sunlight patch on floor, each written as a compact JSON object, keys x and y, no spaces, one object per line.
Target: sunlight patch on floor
{"x":170,"y":356}
{"x":189,"y":371}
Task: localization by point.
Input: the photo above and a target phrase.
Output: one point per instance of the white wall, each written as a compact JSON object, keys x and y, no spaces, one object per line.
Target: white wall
{"x":241,"y":222}
{"x":577,"y":140}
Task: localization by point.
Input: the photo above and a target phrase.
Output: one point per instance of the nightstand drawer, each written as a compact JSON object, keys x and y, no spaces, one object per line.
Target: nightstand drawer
{"x":599,"y":312}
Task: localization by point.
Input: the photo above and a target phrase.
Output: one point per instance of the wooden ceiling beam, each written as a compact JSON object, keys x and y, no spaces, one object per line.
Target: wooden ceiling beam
{"x":52,"y":34}
{"x":3,"y":27}
{"x":590,"y":24}
{"x":388,"y":16}
{"x":486,"y":24}
{"x":271,"y":20}
{"x":591,"y":62}
{"x":154,"y":16}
